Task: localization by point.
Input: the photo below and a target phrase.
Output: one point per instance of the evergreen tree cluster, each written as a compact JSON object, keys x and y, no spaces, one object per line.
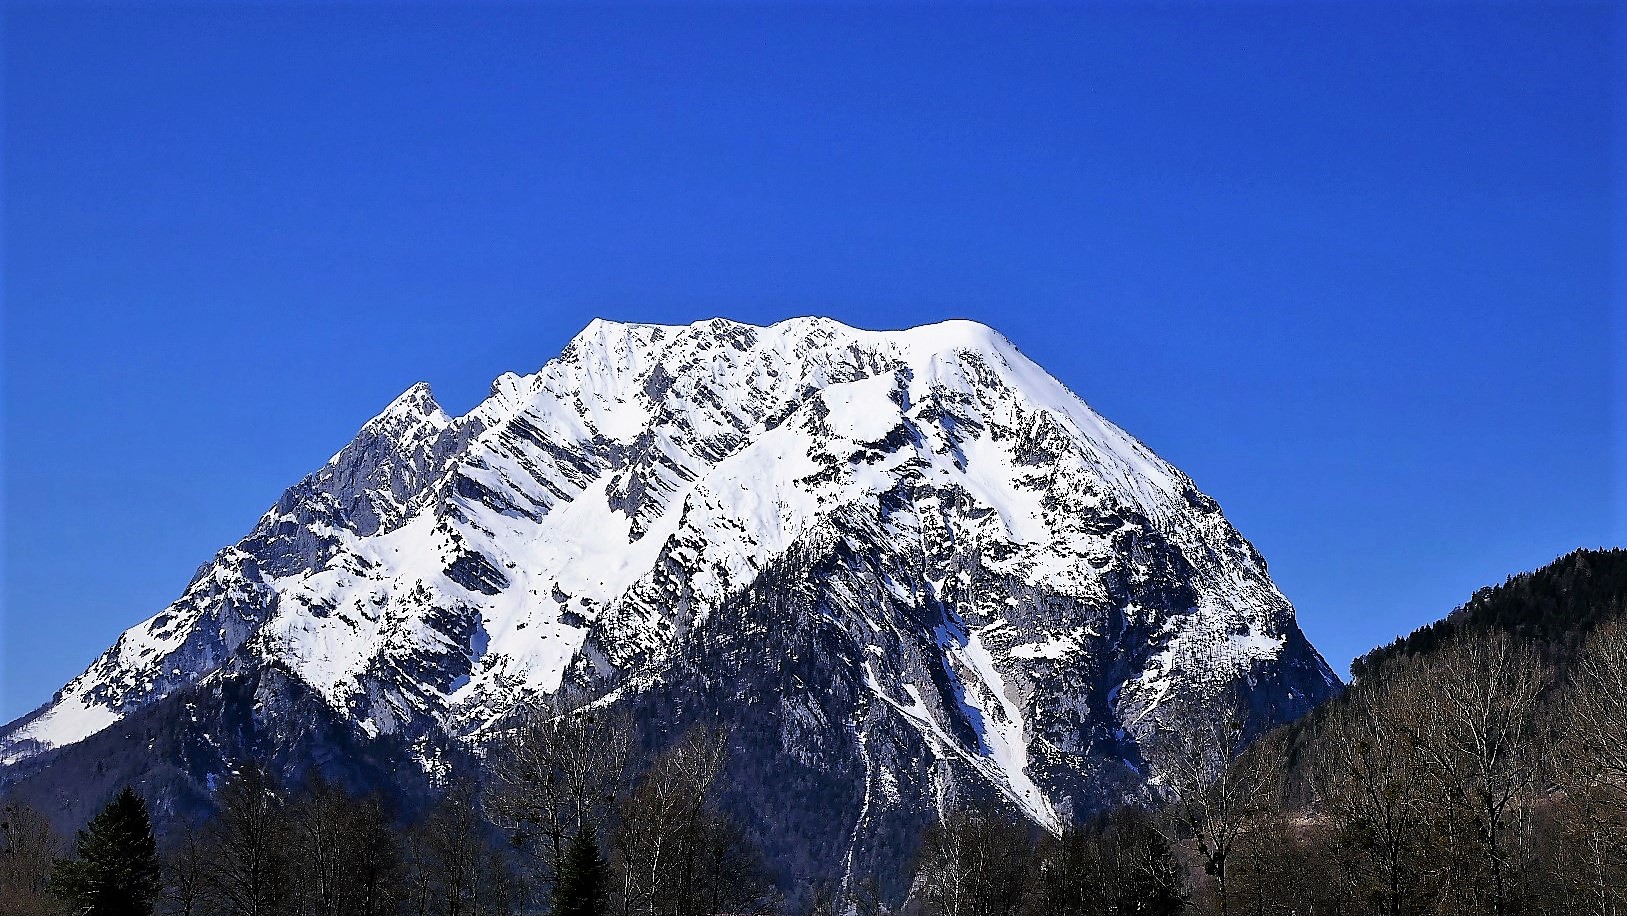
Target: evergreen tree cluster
{"x":1552,"y":607}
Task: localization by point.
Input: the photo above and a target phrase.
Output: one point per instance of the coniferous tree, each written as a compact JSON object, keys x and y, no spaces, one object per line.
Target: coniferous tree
{"x":580,"y":888}
{"x":115,"y":871}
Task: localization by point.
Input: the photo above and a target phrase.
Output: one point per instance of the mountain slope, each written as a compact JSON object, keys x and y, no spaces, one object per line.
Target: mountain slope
{"x":911,"y":562}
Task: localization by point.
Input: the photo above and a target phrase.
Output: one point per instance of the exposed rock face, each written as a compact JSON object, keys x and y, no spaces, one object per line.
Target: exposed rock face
{"x":906,"y":567}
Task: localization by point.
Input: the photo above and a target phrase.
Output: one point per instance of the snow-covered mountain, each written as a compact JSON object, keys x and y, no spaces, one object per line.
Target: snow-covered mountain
{"x":909,"y":565}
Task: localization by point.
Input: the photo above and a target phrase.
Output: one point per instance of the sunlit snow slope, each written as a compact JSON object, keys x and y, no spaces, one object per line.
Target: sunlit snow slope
{"x":1016,"y":592}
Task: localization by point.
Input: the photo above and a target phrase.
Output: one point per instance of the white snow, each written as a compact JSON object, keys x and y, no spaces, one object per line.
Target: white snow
{"x":1005,"y":732}
{"x":1255,"y":645}
{"x":862,"y":411}
{"x":63,"y":723}
{"x":1053,"y":648}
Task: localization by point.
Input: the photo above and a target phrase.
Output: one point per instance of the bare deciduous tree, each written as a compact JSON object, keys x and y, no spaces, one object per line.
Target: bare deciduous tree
{"x":1372,"y":786}
{"x":1119,"y":863}
{"x":1216,"y":792}
{"x":976,"y":862}
{"x":248,"y":871}
{"x":28,"y":849}
{"x":347,"y":859}
{"x":1595,"y":713}
{"x":1591,"y":767}
{"x":556,"y":771}
{"x":1477,"y":734}
{"x":676,"y":854}
{"x":450,"y":866}
{"x":184,"y":863}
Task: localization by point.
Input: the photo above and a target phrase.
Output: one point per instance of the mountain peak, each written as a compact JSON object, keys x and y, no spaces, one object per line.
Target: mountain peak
{"x":416,"y":403}
{"x":411,"y":419}
{"x":954,"y":333}
{"x":929,"y":568}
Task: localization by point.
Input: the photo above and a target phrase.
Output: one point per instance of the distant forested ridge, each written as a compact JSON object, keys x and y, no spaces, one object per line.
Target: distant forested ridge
{"x":1552,"y":607}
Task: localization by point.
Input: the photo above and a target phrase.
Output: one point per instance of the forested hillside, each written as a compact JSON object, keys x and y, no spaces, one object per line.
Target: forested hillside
{"x":1552,"y":607}
{"x":1474,"y":766}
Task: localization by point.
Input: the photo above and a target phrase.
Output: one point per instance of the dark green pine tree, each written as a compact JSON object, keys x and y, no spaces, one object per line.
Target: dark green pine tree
{"x":115,"y":871}
{"x":580,"y":890}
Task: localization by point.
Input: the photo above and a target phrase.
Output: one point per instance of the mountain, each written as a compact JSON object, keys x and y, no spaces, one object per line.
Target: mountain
{"x":905,"y":568}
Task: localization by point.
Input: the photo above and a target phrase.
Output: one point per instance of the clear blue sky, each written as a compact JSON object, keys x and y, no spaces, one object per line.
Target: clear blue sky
{"x":1349,"y":267}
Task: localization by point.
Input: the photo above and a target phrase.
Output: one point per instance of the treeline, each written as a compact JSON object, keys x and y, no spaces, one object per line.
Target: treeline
{"x":1552,"y":608}
{"x":1480,"y":770}
{"x":559,"y":827}
{"x":1481,"y":779}
{"x":315,"y":850}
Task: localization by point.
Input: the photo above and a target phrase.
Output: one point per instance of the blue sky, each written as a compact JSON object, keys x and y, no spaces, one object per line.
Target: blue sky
{"x":1347,"y":266}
